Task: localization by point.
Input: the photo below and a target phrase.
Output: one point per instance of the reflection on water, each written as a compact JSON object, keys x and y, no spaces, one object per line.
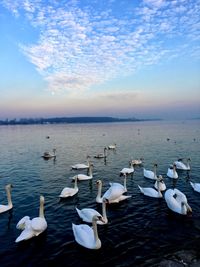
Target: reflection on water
{"x":140,"y":229}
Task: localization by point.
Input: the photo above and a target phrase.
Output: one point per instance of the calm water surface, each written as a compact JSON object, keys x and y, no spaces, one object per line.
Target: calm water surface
{"x":141,"y":230}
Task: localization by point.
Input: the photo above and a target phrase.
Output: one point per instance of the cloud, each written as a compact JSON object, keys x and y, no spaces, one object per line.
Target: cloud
{"x":81,"y":46}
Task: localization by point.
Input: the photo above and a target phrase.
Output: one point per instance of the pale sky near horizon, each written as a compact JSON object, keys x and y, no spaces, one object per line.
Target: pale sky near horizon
{"x":120,"y":58}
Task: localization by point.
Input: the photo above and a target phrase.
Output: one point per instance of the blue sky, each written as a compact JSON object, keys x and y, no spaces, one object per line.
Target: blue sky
{"x":122,"y":58}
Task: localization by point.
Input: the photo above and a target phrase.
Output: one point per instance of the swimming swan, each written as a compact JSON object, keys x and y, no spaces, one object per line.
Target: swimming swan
{"x":137,"y":161}
{"x":32,"y":227}
{"x":127,"y":170}
{"x":87,"y":236}
{"x":112,"y":146}
{"x":123,"y":187}
{"x":87,"y":214}
{"x":9,"y":206}
{"x":180,"y":165}
{"x":171,"y":172}
{"x":81,"y":176}
{"x":48,"y":155}
{"x":102,"y":155}
{"x":114,"y":194}
{"x":195,"y":186}
{"x":160,"y":182}
{"x":177,"y":201}
{"x":150,"y":174}
{"x":69,"y":191}
{"x":151,"y":192}
{"x":81,"y":165}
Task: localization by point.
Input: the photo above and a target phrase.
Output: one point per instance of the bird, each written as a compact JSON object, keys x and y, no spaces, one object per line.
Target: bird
{"x":48,"y":155}
{"x":81,"y":165}
{"x":87,"y":236}
{"x":33,"y":227}
{"x":114,"y":194}
{"x":137,"y":161}
{"x":171,"y":172}
{"x":150,"y":174}
{"x":195,"y":186}
{"x":180,"y":165}
{"x":9,"y":206}
{"x":89,"y":176}
{"x":151,"y":192}
{"x":87,"y":214}
{"x":69,"y":191}
{"x":123,"y":187}
{"x":102,"y":155}
{"x":160,"y":182}
{"x":129,"y":170}
{"x":177,"y":201}
{"x":113,"y":146}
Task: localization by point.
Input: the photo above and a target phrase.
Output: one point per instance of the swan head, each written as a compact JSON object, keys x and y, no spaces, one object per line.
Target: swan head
{"x":99,"y":182}
{"x":42,"y":199}
{"x":96,"y":218}
{"x":105,"y":200}
{"x":8,"y":186}
{"x":160,"y":178}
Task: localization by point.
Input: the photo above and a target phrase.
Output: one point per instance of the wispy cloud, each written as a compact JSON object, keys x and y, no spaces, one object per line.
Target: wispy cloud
{"x":80,"y":46}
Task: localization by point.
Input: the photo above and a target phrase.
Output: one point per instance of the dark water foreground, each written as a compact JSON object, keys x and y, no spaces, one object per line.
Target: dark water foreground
{"x":141,"y":230}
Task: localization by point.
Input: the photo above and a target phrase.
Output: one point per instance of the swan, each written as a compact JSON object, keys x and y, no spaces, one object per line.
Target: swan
{"x":48,"y":155}
{"x":137,"y":161}
{"x":123,"y":187}
{"x":9,"y":206}
{"x":112,"y":146}
{"x":84,"y":176}
{"x":32,"y":227}
{"x":114,"y":194}
{"x":171,"y":172}
{"x":102,"y":155}
{"x":151,"y":192}
{"x":127,"y":170}
{"x":160,"y":182}
{"x":195,"y":186}
{"x":177,"y":201}
{"x":180,"y":165}
{"x":81,"y":165}
{"x":150,"y":174}
{"x":87,"y":236}
{"x":69,"y":191}
{"x":87,"y":214}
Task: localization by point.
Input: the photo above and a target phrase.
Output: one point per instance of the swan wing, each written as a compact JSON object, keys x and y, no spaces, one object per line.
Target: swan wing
{"x":113,"y":192}
{"x":26,"y":234}
{"x":119,"y":199}
{"x":38,"y":225}
{"x":68,"y":192}
{"x":84,"y":235}
{"x":87,"y":214}
{"x":148,"y":191}
{"x":22,"y":223}
{"x":149,"y":174}
{"x":196,"y":186}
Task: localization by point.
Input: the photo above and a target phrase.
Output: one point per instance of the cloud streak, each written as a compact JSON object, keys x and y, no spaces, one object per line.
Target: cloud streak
{"x":80,"y":46}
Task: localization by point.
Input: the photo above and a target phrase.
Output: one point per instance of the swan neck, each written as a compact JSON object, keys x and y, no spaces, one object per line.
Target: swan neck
{"x":154,"y":171}
{"x":75,"y":183}
{"x":96,"y":237}
{"x":90,"y":170}
{"x":9,"y":196}
{"x":41,"y":212}
{"x":104,"y":211}
{"x":125,"y":183}
{"x":98,"y":198}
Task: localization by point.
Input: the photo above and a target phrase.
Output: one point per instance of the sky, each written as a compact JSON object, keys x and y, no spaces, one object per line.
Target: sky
{"x":120,"y":58}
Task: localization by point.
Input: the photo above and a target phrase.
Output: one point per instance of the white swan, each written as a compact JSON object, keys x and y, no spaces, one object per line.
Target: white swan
{"x":151,"y":192}
{"x":171,"y":172}
{"x":160,"y":182}
{"x":123,"y":187}
{"x":79,"y":166}
{"x":32,"y":227}
{"x":150,"y":174}
{"x":127,"y":170}
{"x":180,"y":165}
{"x":177,"y":201}
{"x":112,"y":146}
{"x":81,"y":176}
{"x":87,"y":236}
{"x":102,"y":155}
{"x":137,"y":161}
{"x":195,"y":186}
{"x":48,"y":155}
{"x":87,"y":214}
{"x":69,"y":191}
{"x":9,"y":206}
{"x":114,"y":194}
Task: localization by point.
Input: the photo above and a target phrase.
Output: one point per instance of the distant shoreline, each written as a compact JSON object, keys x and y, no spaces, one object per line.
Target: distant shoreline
{"x":57,"y":120}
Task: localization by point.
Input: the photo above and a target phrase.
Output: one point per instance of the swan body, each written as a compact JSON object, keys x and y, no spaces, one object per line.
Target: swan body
{"x":81,"y":176}
{"x":150,"y":174}
{"x":114,"y":194}
{"x":180,"y":165}
{"x":137,"y":161}
{"x":69,"y":191}
{"x":112,"y":146}
{"x":122,"y":187}
{"x":160,"y":183}
{"x":48,"y":155}
{"x":9,"y":206}
{"x":87,"y":236}
{"x":172,"y":173}
{"x":127,"y":170}
{"x":195,"y":186}
{"x":150,"y":192}
{"x":102,"y":155}
{"x":177,"y":201}
{"x":87,"y":214}
{"x":34,"y":227}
